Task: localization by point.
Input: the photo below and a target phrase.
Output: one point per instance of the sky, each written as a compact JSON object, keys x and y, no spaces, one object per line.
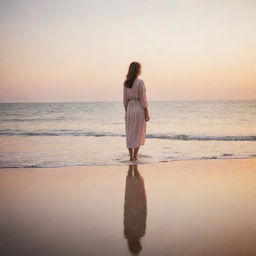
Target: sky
{"x":73,"y":51}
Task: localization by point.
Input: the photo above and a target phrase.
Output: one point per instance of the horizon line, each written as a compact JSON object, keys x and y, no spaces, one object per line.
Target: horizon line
{"x":20,"y":102}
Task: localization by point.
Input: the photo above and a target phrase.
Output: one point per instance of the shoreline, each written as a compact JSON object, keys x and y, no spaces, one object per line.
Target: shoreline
{"x":131,"y":163}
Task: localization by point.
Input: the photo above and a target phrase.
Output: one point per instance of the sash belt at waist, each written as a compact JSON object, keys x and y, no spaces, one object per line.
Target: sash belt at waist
{"x":132,"y":99}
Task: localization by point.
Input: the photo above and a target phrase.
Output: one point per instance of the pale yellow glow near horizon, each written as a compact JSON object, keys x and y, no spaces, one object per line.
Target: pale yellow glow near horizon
{"x":80,"y":50}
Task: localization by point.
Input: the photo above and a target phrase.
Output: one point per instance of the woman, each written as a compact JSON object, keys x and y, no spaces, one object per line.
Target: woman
{"x":136,"y":110}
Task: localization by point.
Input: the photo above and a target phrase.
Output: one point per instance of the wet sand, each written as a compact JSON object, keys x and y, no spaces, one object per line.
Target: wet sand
{"x":181,"y":208}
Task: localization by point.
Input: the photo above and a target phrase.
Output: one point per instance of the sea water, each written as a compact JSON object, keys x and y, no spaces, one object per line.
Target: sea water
{"x":93,"y":133}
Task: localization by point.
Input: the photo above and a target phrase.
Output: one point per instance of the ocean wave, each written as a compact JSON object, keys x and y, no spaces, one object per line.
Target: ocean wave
{"x":194,"y":137}
{"x":60,"y":132}
{"x":14,"y":120}
{"x":70,"y":132}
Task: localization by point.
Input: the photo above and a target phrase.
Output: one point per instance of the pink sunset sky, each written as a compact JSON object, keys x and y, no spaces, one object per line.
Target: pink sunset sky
{"x":55,"y":50}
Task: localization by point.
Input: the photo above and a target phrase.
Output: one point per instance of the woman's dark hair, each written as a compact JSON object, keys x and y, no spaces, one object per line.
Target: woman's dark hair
{"x":132,"y":74}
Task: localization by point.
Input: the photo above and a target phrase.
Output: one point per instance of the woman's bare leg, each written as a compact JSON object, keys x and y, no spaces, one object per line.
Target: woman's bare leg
{"x":135,"y":153}
{"x":131,"y":154}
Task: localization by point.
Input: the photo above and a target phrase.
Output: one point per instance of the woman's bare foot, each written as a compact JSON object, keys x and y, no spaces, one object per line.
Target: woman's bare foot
{"x":131,"y":159}
{"x":135,"y":154}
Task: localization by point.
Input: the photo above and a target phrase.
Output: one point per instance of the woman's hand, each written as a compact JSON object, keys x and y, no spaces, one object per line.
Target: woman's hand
{"x":147,"y":117}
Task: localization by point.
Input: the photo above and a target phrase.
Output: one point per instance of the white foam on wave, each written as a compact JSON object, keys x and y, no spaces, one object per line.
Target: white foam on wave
{"x":70,"y":132}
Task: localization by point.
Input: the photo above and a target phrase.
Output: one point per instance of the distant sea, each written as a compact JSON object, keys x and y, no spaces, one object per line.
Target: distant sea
{"x":93,"y":133}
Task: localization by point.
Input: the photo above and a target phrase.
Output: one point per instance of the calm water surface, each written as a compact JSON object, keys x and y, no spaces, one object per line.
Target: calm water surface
{"x":92,"y":133}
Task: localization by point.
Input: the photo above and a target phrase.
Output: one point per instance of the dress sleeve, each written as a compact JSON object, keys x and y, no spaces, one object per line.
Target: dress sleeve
{"x":143,"y":96}
{"x":125,"y":100}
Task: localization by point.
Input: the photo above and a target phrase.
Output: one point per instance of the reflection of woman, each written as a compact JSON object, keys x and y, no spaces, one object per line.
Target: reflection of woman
{"x":135,"y":210}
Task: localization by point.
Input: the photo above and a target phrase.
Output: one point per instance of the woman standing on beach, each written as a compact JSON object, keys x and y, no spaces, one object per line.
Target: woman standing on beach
{"x":136,"y":110}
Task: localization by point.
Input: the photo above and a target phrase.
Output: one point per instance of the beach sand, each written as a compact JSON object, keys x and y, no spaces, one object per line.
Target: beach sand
{"x":188,"y":208}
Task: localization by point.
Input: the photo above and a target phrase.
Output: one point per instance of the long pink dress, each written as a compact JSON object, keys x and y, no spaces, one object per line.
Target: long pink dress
{"x":135,"y":123}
